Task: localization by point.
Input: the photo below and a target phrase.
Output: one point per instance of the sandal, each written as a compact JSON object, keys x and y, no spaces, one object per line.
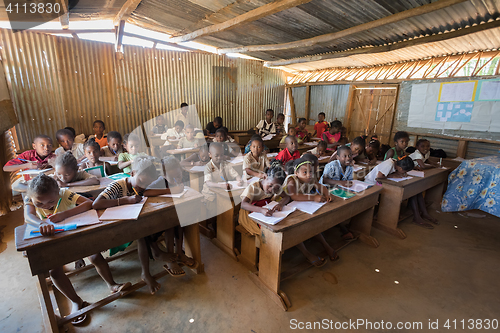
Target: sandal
{"x":335,"y":258}
{"x":81,"y":319}
{"x":171,"y":272}
{"x":319,"y":262}
{"x":194,"y":265}
{"x":348,"y":236}
{"x":122,"y":287}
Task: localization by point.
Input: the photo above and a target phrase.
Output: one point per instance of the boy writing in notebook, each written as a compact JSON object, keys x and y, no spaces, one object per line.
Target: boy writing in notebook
{"x":200,"y":158}
{"x":115,"y":145}
{"x":37,"y":158}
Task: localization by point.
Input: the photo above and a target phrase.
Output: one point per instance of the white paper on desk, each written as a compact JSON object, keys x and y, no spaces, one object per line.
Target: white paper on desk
{"x":416,"y":173}
{"x":125,"y":212}
{"x":276,"y":217}
{"x":268,"y":137}
{"x":107,"y":159}
{"x":178,"y":195}
{"x":309,"y":207}
{"x":357,"y":186}
{"x":237,"y":160}
{"x":183,"y":149}
{"x":311,"y":143}
{"x":33,"y":171}
{"x":356,"y":168}
{"x":272,"y":155}
{"x":198,"y":168}
{"x":399,"y":179}
{"x":234,"y":185}
{"x":323,"y":158}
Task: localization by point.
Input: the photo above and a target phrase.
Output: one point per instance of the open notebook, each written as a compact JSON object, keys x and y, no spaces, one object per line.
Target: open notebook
{"x":357,"y":186}
{"x":124,"y":212}
{"x":309,"y":207}
{"x":276,"y":217}
{"x":33,"y":171}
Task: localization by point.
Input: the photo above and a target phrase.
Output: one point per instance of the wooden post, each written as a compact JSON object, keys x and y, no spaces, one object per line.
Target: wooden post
{"x":292,"y":106}
{"x":349,"y":108}
{"x":308,"y":103}
{"x":462,"y":148}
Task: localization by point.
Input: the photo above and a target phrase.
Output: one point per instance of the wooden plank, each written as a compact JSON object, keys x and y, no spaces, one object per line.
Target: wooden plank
{"x":250,"y":16}
{"x":119,"y":36}
{"x":270,"y":259}
{"x":292,"y":107}
{"x":127,"y":9}
{"x":159,"y":41}
{"x":64,"y":18}
{"x":308,"y":104}
{"x":48,"y":315}
{"x":328,"y":38}
{"x":462,"y":148}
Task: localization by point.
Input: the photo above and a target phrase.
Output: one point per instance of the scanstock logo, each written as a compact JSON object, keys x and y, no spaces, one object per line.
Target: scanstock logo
{"x":26,"y":14}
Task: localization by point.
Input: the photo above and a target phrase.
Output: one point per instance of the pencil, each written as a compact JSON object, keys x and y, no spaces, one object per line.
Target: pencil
{"x":38,"y":231}
{"x":135,"y":191}
{"x":57,"y":206}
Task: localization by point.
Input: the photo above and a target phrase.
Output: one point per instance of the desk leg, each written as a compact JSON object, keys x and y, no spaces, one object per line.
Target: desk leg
{"x":225,"y":226}
{"x":194,"y":181}
{"x":388,"y":213}
{"x":361,"y":226}
{"x":434,"y":195}
{"x":269,"y":274}
{"x":193,"y":248}
{"x":49,"y":317}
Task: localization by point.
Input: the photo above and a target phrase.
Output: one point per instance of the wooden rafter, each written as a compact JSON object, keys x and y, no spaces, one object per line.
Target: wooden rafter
{"x":127,"y":9}
{"x":486,"y":63}
{"x":458,"y":68}
{"x":64,"y":18}
{"x":331,"y":37}
{"x":119,"y":36}
{"x":390,"y":47}
{"x":253,"y":15}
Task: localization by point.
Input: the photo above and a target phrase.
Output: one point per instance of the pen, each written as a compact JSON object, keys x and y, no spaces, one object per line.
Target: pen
{"x":38,"y":231}
{"x":135,"y":191}
{"x":22,"y":159}
{"x":57,"y":206}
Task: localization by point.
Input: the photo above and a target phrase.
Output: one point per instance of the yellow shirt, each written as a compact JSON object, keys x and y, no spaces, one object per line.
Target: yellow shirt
{"x":255,"y":165}
{"x":68,"y":201}
{"x":255,"y":193}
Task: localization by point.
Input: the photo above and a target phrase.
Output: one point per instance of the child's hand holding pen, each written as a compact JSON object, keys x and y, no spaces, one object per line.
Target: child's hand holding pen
{"x":57,"y":217}
{"x":47,"y":229}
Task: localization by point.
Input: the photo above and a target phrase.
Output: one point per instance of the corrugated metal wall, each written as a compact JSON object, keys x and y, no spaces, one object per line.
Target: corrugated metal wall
{"x":330,"y":99}
{"x":58,"y":82}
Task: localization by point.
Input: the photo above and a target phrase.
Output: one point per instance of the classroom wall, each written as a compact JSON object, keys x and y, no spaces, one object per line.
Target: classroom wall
{"x":331,"y":99}
{"x":59,"y":81}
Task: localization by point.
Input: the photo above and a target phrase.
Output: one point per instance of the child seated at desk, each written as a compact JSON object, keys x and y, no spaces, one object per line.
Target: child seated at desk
{"x":159,"y":128}
{"x":115,"y":145}
{"x":280,"y":124}
{"x":44,"y":206}
{"x":421,"y":155}
{"x":171,"y":181}
{"x":357,"y":147}
{"x":266,"y":126}
{"x":321,"y":126}
{"x":98,"y":127}
{"x":133,"y":145}
{"x":130,"y":190}
{"x":303,"y":186}
{"x":259,"y":194}
{"x":301,"y":130}
{"x":372,"y":150}
{"x":333,"y":135}
{"x":400,"y":144}
{"x":320,"y":150}
{"x":188,"y":141}
{"x":92,"y":154}
{"x":255,"y":162}
{"x":217,"y":171}
{"x":200,"y":158}
{"x":230,"y":149}
{"x":247,"y":147}
{"x":290,"y":152}
{"x":175,"y":133}
{"x":215,"y":125}
{"x":398,"y":169}
{"x":38,"y":158}
{"x":67,"y":174}
{"x":66,"y":140}
{"x":293,"y":132}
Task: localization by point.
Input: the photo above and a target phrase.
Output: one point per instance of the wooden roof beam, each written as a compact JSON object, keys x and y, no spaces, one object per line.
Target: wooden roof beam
{"x":253,"y":15}
{"x":331,"y":37}
{"x":127,"y":9}
{"x":391,"y":47}
{"x":64,"y":18}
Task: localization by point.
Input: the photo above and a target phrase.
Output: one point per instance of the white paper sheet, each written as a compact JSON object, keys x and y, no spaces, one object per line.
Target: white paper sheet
{"x":33,"y":171}
{"x":357,"y":186}
{"x":238,"y":159}
{"x":183,"y":149}
{"x":397,"y":180}
{"x":177,"y":195}
{"x":356,"y":168}
{"x":268,"y":137}
{"x":235,"y":186}
{"x":107,"y":159}
{"x":416,"y":173}
{"x":276,"y":217}
{"x":310,"y":143}
{"x":198,"y":168}
{"x":457,"y":91}
{"x":309,"y":207}
{"x":271,"y":155}
{"x":123,"y":212}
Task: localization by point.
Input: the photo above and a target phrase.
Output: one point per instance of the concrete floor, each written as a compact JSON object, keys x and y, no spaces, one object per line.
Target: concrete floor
{"x":445,"y":273}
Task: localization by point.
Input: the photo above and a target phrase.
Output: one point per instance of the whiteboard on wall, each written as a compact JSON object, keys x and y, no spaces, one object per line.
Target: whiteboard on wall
{"x":472,"y":105}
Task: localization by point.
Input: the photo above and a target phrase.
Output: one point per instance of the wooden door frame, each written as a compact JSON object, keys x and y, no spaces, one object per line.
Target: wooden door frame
{"x":352,"y":95}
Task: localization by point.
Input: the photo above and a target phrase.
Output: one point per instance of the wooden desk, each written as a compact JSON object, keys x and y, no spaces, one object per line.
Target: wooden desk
{"x":183,"y":153}
{"x":299,"y":227}
{"x":196,"y":178}
{"x":393,"y":193}
{"x":93,"y":190}
{"x":302,"y":148}
{"x":274,"y":143}
{"x":45,"y":253}
{"x":242,"y":138}
{"x":156,"y":140}
{"x":227,"y":202}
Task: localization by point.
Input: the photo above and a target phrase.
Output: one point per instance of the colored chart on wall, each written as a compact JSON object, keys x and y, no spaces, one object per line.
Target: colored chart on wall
{"x":454,"y":111}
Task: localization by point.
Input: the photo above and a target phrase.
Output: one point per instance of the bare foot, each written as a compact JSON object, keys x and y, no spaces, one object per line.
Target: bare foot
{"x":119,"y":287}
{"x":151,"y":283}
{"x":332,"y":253}
{"x":189,"y":262}
{"x":80,"y":263}
{"x":174,"y":269}
{"x":74,"y":308}
{"x":422,"y":223}
{"x":165,"y":256}
{"x":430,"y":219}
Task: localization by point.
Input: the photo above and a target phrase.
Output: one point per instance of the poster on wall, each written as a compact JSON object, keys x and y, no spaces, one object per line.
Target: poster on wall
{"x":488,"y":90}
{"x":460,"y":91}
{"x":454,"y":111}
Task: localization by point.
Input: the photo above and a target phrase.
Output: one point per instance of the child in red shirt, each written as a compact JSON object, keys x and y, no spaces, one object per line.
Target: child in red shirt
{"x":37,"y":158}
{"x":321,"y":126}
{"x":290,"y":152}
{"x":301,"y":130}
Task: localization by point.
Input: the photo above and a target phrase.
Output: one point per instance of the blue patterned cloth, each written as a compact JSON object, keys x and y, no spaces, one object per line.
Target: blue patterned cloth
{"x":475,"y":184}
